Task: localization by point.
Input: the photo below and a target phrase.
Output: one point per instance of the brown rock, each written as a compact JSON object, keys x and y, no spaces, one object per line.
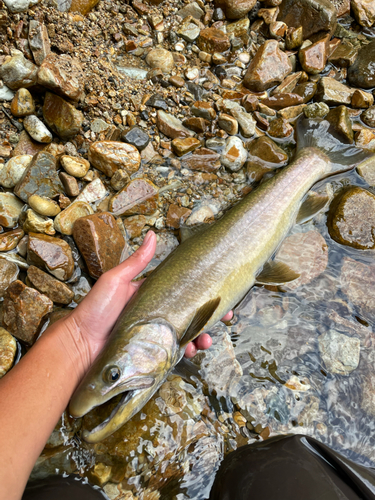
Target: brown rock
{"x":171,"y":126}
{"x":27,"y":146}
{"x":65,"y":220}
{"x":288,"y":85}
{"x":177,"y":215}
{"x":63,"y":75}
{"x":55,"y":290}
{"x":75,"y":166}
{"x":280,"y":101}
{"x":250,"y":103}
{"x":340,"y":119}
{"x":364,"y":12}
{"x":235,"y":9}
{"x":40,"y":178}
{"x":213,"y":40}
{"x":8,"y":351}
{"x":204,"y":110}
{"x":52,"y":253}
{"x":18,"y":72}
{"x":228,"y":123}
{"x":160,"y":58}
{"x":183,"y":146}
{"x":333,"y":92}
{"x":109,"y":156}
{"x":176,"y":81}
{"x":83,"y":6}
{"x":294,"y":38}
{"x":35,"y":223}
{"x":362,"y":99}
{"x":70,"y":184}
{"x":119,"y":179}
{"x":342,"y":6}
{"x":313,"y":58}
{"x":8,"y":273}
{"x":63,"y":118}
{"x":280,"y":128}
{"x":269,"y":67}
{"x":10,"y":209}
{"x":264,"y":155}
{"x":358,"y":284}
{"x":140,"y":196}
{"x":10,"y":239}
{"x":351,"y":218}
{"x":198,"y":125}
{"x":134,"y":225}
{"x":344,"y":55}
{"x":100,"y":241}
{"x":39,"y":41}
{"x":24,"y":310}
{"x":22,"y":103}
{"x":306,"y":90}
{"x":204,"y":160}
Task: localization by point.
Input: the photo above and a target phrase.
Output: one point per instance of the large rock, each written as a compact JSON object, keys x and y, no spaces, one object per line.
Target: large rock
{"x":24,"y":310}
{"x":40,"y":178}
{"x":171,"y":126}
{"x":100,"y":241}
{"x":8,"y":273}
{"x":83,"y":6}
{"x":10,"y":209}
{"x":8,"y":350}
{"x":109,"y":156}
{"x":339,"y":352}
{"x":361,"y":73}
{"x":269,"y":67}
{"x":17,"y":72}
{"x":63,"y":75}
{"x":333,"y":92}
{"x":264,"y":155}
{"x":364,"y":12}
{"x":160,"y":58}
{"x":351,"y":218}
{"x":315,"y":16}
{"x":358,"y":284}
{"x":62,"y":117}
{"x":203,"y":160}
{"x":65,"y":220}
{"x":51,"y":287}
{"x":20,"y":5}
{"x":27,"y":146}
{"x":235,"y":9}
{"x":51,"y":253}
{"x":140,"y":196}
{"x":213,"y":40}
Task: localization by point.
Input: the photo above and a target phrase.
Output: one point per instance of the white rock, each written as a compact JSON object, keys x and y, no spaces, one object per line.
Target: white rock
{"x":10,"y":209}
{"x":94,"y":191}
{"x":36,"y":128}
{"x":12,"y":171}
{"x":234,"y":154}
{"x":6,"y":94}
{"x":200,"y":215}
{"x":19,"y":5}
{"x":339,"y":352}
{"x":245,"y":120}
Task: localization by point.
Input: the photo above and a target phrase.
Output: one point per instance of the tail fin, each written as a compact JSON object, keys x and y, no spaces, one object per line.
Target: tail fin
{"x":319,"y":133}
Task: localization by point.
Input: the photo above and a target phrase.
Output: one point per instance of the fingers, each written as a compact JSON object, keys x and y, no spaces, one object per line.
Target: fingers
{"x":137,"y":262}
{"x":228,"y":316}
{"x":190,"y":350}
{"x":202,"y":342}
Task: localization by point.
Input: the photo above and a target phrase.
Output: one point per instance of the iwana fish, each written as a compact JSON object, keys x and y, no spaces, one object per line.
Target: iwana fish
{"x":205,"y":277}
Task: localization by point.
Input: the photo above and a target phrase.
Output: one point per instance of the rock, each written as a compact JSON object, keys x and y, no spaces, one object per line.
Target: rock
{"x":8,"y":351}
{"x":358,"y":284}
{"x":99,"y":125}
{"x":316,"y":110}
{"x":362,"y":99}
{"x":294,"y":38}
{"x":333,"y":92}
{"x":10,"y":209}
{"x":204,"y":160}
{"x":55,"y":290}
{"x":176,"y":215}
{"x":269,"y":67}
{"x":176,"y":81}
{"x":213,"y":40}
{"x":339,"y":352}
{"x":313,"y":58}
{"x":13,"y":170}
{"x":183,"y":146}
{"x":191,"y":9}
{"x":157,"y":101}
{"x":35,"y":223}
{"x":39,"y":41}
{"x":20,"y":5}
{"x":109,"y":156}
{"x":351,"y":218}
{"x":10,"y":239}
{"x":6,"y":94}
{"x":340,"y":120}
{"x":74,"y":165}
{"x":136,"y":137}
{"x":37,"y":130}
{"x":24,"y":310}
{"x":367,"y":170}
{"x":366,"y":139}
{"x":40,"y":178}
{"x":43,"y":205}
{"x":280,"y":101}
{"x":344,"y":55}
{"x":292,"y":113}
{"x":368,"y":394}
{"x":100,"y":241}
{"x":200,"y":214}
{"x":140,"y":196}
{"x":51,"y":253}
{"x":94,"y":191}
{"x":134,"y":225}
{"x":263,"y":156}
{"x":234,"y":154}
{"x":17,"y":72}
{"x":364,"y":12}
{"x":306,"y":254}
{"x":61,"y":117}
{"x":315,"y":16}
{"x":280,"y":128}
{"x":203,"y":110}
{"x":8,"y":273}
{"x":306,"y":90}
{"x":22,"y":104}
{"x":160,"y":58}
{"x":198,"y":125}
{"x":189,"y":29}
{"x":228,"y":123}
{"x":83,"y":6}
{"x":361,"y":73}
{"x":368,"y":117}
{"x":63,"y":75}
{"x":70,"y":184}
{"x":235,"y":9}
{"x":65,"y":220}
{"x":26,"y":145}
{"x":119,"y":179}
{"x":342,"y":7}
{"x":245,"y":121}
{"x":171,"y":126}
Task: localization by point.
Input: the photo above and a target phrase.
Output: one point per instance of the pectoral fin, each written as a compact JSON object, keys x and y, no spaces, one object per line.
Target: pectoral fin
{"x":200,"y":319}
{"x":276,"y":273}
{"x":313,"y":204}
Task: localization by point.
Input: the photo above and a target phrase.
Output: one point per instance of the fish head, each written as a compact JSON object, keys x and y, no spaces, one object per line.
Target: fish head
{"x":134,"y":364}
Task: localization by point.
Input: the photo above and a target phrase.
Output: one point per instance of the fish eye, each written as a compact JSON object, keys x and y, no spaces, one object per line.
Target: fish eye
{"x":112,"y":374}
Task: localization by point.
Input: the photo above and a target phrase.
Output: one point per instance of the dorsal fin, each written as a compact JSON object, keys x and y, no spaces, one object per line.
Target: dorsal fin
{"x":276,"y":273}
{"x":312,"y":205}
{"x":201,"y":318}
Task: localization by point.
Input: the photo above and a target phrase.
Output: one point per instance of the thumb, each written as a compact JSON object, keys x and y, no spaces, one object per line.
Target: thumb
{"x":139,"y":260}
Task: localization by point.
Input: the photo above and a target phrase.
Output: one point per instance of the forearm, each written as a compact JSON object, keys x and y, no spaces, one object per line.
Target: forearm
{"x":33,"y":396}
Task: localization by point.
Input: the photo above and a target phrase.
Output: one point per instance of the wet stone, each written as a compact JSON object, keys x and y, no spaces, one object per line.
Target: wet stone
{"x":316,"y":110}
{"x":6,"y":94}
{"x":361,"y":73}
{"x":364,"y":12}
{"x":358,"y":284}
{"x":157,"y":101}
{"x":37,"y":130}
{"x":333,"y":92}
{"x":61,"y":117}
{"x":366,"y":139}
{"x":40,"y":178}
{"x":43,"y":205}
{"x":171,"y":126}
{"x":119,"y":179}
{"x":344,"y":55}
{"x":203,"y":110}
{"x":8,"y":273}
{"x":228,"y":123}
{"x":70,"y":184}
{"x":183,"y":146}
{"x":10,"y":209}
{"x":136,"y":137}
{"x":36,"y":223}
{"x":10,"y":239}
{"x":269,"y":67}
{"x":263,"y":156}
{"x":17,"y":72}
{"x":13,"y":170}
{"x":100,"y":241}
{"x":339,"y":352}
{"x":245,"y":121}
{"x":203,"y":160}
{"x":63,"y":75}
{"x":24,"y":310}
{"x":368,"y":394}
{"x":27,"y":146}
{"x":51,"y":253}
{"x":189,"y":29}
{"x":160,"y":58}
{"x":65,"y":220}
{"x":340,"y":120}
{"x":362,"y":99}
{"x":368,"y":117}
{"x":290,"y":114}
{"x":306,"y":90}
{"x":313,"y":58}
{"x":22,"y":103}
{"x":108,"y":156}
{"x":94,"y":191}
{"x":176,"y":215}
{"x":234,"y":154}
{"x":39,"y":41}
{"x":140,"y":196}
{"x":198,"y":125}
{"x":235,"y":9}
{"x":83,"y":6}
{"x":8,"y":351}
{"x":280,"y":101}
{"x":294,"y":38}
{"x":191,"y":9}
{"x":54,"y":289}
{"x":134,"y":225}
{"x":280,"y":128}
{"x":75,"y":166}
{"x":367,"y":170}
{"x":213,"y":40}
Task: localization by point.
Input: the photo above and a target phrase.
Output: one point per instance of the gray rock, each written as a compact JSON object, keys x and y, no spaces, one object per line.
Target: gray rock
{"x":191,"y":9}
{"x":6,"y":94}
{"x":189,"y":29}
{"x":134,"y":73}
{"x":339,"y":352}
{"x":39,"y":41}
{"x":234,"y":155}
{"x":245,"y":120}
{"x":136,"y":137}
{"x":99,"y":125}
{"x":36,"y":128}
{"x":17,"y":72}
{"x":20,"y":5}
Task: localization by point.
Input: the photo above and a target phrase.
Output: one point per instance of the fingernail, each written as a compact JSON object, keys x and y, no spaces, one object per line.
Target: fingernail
{"x":147,"y":238}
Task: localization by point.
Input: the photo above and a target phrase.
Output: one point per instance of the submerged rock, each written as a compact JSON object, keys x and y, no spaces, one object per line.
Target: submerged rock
{"x":264,"y":155}
{"x":234,"y":154}
{"x":339,"y":352}
{"x":8,"y":350}
{"x":361,"y":73}
{"x":358,"y":284}
{"x":203,"y":160}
